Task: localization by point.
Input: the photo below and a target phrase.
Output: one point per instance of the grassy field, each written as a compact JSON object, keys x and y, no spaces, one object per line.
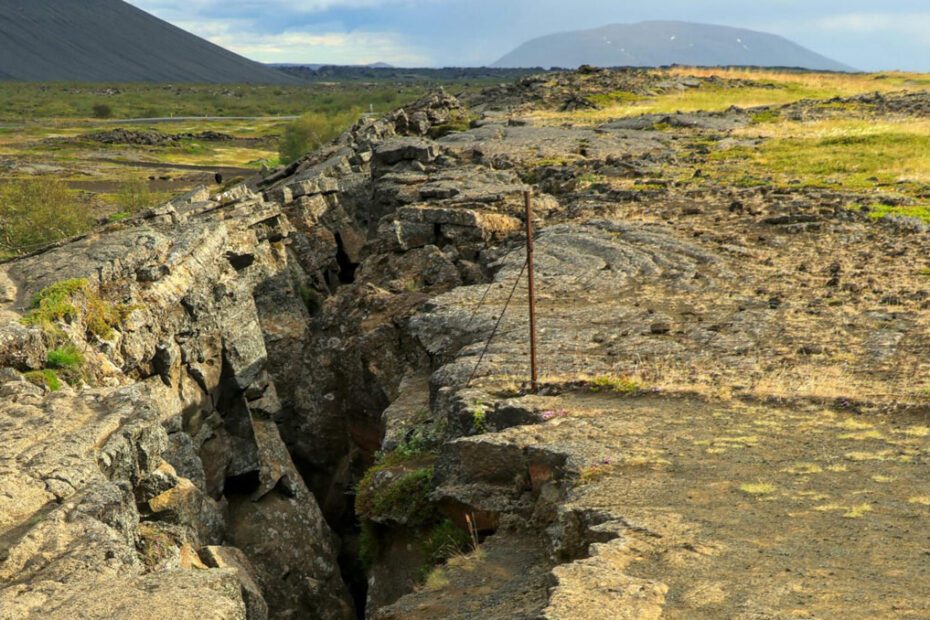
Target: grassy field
{"x":48,"y":146}
{"x":29,"y":102}
{"x":773,"y":88}
{"x":843,"y":145}
{"x":47,"y":137}
{"x":856,"y":154}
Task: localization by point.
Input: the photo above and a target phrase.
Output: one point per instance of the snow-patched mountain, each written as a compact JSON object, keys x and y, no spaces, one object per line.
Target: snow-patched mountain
{"x":658,"y":43}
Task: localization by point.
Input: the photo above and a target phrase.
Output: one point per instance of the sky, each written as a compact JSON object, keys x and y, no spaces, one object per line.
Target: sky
{"x":866,"y":34}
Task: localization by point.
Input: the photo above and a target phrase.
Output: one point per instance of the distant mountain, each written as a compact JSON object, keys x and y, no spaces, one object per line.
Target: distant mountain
{"x":658,"y":43}
{"x":112,"y":41}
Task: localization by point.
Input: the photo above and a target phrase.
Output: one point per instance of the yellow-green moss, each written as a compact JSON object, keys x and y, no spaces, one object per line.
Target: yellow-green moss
{"x":619,"y":385}
{"x":44,"y":378}
{"x":67,"y":300}
{"x":459,"y":121}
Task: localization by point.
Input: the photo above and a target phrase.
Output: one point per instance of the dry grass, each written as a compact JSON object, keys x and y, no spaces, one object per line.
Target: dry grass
{"x":758,"y":488}
{"x":789,"y":87}
{"x":857,"y":511}
{"x":839,"y":83}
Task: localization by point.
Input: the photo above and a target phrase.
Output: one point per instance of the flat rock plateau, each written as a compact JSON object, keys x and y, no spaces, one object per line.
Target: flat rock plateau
{"x":284,"y":401}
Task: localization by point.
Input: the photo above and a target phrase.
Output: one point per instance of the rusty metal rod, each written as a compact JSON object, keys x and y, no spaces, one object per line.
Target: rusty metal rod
{"x":534,"y":369}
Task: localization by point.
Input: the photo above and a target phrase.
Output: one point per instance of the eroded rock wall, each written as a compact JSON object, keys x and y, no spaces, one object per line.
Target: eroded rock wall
{"x":236,"y":353}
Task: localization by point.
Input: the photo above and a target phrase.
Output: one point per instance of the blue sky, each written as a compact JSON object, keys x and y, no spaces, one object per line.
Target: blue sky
{"x":871,"y":35}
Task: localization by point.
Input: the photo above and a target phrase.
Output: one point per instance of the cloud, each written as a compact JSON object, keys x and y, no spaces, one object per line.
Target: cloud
{"x":323,"y":47}
{"x":910,"y":24}
{"x":861,"y":33}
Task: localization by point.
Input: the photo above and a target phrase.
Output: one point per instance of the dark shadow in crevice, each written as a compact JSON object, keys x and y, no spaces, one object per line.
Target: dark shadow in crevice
{"x":346,"y":267}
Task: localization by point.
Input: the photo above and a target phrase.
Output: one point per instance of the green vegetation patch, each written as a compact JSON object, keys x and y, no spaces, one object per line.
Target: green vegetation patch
{"x":459,"y":121}
{"x":64,"y":100}
{"x":55,"y":303}
{"x":854,"y":155}
{"x":37,"y":212}
{"x":65,"y":357}
{"x":444,"y":541}
{"x":396,"y":493}
{"x":135,"y":196}
{"x":765,"y":116}
{"x":47,"y":379}
{"x":67,"y":361}
{"x":313,"y":130}
{"x":881,"y":211}
{"x":66,"y":301}
{"x":619,"y":97}
{"x":618,"y":385}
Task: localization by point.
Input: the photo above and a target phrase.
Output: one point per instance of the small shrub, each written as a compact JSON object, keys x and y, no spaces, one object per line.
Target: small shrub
{"x":102,"y":110}
{"x":134,"y":196}
{"x":38,"y":212}
{"x":313,"y":130}
{"x":44,"y":378}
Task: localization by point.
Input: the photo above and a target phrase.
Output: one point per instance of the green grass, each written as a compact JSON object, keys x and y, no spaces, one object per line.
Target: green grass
{"x":22,"y":101}
{"x":765,"y":116}
{"x":920,"y":212}
{"x":66,"y":357}
{"x":619,"y":97}
{"x":67,"y":361}
{"x":852,"y":154}
{"x":443,"y":541}
{"x":55,"y":303}
{"x":44,"y":378}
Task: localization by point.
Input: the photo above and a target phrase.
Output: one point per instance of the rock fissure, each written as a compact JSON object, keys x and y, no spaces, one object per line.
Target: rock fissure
{"x":282,"y":422}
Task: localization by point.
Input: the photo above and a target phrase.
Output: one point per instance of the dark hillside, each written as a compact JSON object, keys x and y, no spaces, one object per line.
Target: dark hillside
{"x":112,"y":41}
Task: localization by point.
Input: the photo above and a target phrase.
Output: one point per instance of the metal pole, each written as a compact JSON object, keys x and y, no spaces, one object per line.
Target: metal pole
{"x":528,"y":200}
